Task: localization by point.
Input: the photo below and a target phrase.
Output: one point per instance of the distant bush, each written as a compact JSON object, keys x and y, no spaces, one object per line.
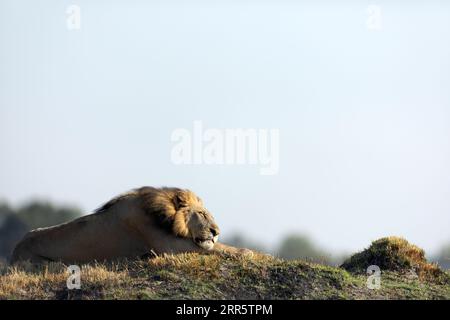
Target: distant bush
{"x":240,"y":241}
{"x":14,"y":223}
{"x":12,"y":230}
{"x":297,"y":246}
{"x":38,"y":214}
{"x":443,"y":258}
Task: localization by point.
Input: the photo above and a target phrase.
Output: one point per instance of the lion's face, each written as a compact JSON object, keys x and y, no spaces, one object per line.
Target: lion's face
{"x":202,"y":228}
{"x":192,"y":220}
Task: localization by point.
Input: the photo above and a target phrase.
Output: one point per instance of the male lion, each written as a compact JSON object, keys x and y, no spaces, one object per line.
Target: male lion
{"x":134,"y":224}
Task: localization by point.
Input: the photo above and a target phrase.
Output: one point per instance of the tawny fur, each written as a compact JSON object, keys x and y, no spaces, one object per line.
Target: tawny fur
{"x":144,"y":220}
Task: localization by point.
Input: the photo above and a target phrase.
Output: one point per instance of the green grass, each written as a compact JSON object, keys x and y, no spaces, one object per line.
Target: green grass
{"x":193,"y":276}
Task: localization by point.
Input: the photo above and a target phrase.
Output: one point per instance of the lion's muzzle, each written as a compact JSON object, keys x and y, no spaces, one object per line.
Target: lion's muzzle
{"x":207,"y":243}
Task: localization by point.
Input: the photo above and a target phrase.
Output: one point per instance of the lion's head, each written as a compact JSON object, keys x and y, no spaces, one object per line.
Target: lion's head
{"x":200,"y":226}
{"x":192,"y":220}
{"x":182,"y":212}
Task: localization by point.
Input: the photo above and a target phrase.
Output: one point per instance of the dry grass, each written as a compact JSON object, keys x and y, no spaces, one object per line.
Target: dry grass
{"x":42,"y":282}
{"x":193,"y":276}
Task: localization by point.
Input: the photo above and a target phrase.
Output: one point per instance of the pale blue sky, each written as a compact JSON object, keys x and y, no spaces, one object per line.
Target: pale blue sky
{"x":364,"y":116}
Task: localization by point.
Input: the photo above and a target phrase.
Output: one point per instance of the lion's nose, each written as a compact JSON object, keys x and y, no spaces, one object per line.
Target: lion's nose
{"x":214,"y":231}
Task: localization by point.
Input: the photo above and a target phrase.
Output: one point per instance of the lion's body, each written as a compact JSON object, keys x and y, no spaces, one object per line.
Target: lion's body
{"x":131,"y":225}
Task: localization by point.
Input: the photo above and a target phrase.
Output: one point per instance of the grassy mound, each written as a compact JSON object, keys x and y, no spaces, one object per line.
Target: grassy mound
{"x":398,"y":255}
{"x":193,"y":276}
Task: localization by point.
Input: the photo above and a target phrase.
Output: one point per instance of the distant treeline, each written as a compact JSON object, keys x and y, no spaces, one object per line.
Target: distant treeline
{"x":298,"y":246}
{"x":292,"y":246}
{"x":15,"y":222}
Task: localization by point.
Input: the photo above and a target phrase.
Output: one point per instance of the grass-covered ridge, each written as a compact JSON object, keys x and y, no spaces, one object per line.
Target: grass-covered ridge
{"x":193,"y":276}
{"x":397,"y":255}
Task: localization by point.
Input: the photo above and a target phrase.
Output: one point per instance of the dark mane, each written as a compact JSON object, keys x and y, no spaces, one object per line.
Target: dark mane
{"x":156,"y":202}
{"x":159,"y":204}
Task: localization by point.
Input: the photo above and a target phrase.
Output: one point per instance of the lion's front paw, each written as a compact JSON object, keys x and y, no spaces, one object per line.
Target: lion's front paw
{"x":240,"y":253}
{"x":232,"y":251}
